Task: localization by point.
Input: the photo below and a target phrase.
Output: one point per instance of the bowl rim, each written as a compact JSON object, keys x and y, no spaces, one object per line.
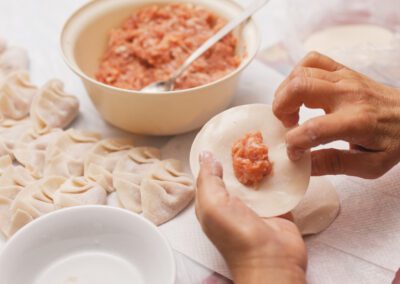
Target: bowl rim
{"x":72,"y":210}
{"x":77,"y":70}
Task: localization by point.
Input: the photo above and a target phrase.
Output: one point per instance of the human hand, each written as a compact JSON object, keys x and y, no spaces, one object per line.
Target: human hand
{"x":358,"y":110}
{"x":255,"y":250}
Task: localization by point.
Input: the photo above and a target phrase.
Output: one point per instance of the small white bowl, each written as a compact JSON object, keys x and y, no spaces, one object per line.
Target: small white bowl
{"x":84,"y":40}
{"x":89,"y":244}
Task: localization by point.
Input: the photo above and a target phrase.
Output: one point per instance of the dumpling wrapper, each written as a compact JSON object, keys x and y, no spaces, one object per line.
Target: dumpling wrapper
{"x":319,"y":207}
{"x":166,"y":191}
{"x":53,"y":107}
{"x":79,"y":191}
{"x":129,"y":173}
{"x":279,"y":192}
{"x":16,"y":95}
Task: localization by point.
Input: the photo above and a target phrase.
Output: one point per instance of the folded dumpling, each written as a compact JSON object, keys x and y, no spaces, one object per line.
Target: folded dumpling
{"x":79,"y":191}
{"x":30,"y":151}
{"x":12,"y":59}
{"x":13,"y":179}
{"x":33,"y":201}
{"x":165,"y":191}
{"x":11,"y":132}
{"x":102,"y":159}
{"x":53,"y":108}
{"x":65,"y":155}
{"x":128,"y":175}
{"x":16,"y":95}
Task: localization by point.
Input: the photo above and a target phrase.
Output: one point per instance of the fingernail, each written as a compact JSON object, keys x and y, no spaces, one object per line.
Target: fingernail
{"x":295,"y":154}
{"x":205,"y":157}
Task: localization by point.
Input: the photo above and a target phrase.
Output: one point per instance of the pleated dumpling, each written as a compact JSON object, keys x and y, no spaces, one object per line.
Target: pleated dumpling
{"x":13,"y":179}
{"x":33,"y":201}
{"x":11,"y":132}
{"x":128,"y":175}
{"x":53,"y":108}
{"x":65,"y":156}
{"x":78,"y":191}
{"x":102,"y":159}
{"x":12,"y":59}
{"x":16,"y":95}
{"x":166,"y":191}
{"x":30,"y":151}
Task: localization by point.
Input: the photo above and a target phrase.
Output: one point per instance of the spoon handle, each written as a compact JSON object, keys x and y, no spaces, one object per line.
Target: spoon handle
{"x":248,"y":12}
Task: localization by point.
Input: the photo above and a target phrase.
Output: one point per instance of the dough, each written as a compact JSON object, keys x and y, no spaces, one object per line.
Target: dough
{"x":348,"y":38}
{"x":319,"y":207}
{"x":278,"y":193}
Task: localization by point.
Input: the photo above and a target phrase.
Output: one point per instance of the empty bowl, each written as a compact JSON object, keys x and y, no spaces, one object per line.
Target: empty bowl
{"x":88,"y":244}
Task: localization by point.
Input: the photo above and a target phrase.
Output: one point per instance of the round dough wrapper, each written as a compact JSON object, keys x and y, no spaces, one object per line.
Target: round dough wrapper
{"x":319,"y":207}
{"x":279,"y":192}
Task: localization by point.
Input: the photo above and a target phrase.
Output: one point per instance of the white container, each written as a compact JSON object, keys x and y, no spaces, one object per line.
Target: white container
{"x":88,"y":244}
{"x":84,"y":40}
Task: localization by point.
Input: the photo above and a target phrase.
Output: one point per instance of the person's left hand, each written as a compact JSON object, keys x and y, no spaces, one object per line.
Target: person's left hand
{"x":256,"y":250}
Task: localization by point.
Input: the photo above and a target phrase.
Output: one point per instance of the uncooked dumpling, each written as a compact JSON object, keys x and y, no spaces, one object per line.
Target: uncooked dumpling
{"x":78,"y":191}
{"x":16,"y":95}
{"x":102,"y":159}
{"x":166,"y":191}
{"x":30,"y":151}
{"x":277,"y":193}
{"x":319,"y":207}
{"x":53,"y":108}
{"x":128,"y":175}
{"x":33,"y":201}
{"x":12,"y":181}
{"x":11,"y":132}
{"x":65,"y":155}
{"x":13,"y":59}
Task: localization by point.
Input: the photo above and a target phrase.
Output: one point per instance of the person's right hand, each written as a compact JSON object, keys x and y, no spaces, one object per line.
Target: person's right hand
{"x":358,"y":110}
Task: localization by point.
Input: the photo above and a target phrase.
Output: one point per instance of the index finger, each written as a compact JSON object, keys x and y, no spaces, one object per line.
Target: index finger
{"x":318,"y":60}
{"x":312,"y":92}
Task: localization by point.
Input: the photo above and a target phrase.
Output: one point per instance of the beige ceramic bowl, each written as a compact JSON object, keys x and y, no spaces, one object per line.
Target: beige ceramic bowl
{"x":84,"y":39}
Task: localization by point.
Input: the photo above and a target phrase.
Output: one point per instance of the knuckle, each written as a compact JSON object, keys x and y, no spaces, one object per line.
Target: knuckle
{"x":299,"y":71}
{"x":297,"y":86}
{"x":313,"y":129}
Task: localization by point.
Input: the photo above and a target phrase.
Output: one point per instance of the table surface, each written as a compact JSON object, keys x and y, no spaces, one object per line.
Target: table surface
{"x":35,"y":25}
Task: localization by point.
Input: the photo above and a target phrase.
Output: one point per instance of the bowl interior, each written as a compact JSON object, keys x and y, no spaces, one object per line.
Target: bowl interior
{"x":95,"y":236}
{"x":85,"y":35}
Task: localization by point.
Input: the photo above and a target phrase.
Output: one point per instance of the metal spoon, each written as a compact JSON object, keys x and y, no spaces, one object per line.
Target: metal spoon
{"x":168,"y":85}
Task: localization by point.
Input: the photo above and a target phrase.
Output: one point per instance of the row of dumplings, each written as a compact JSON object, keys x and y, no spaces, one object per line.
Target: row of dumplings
{"x":44,"y":167}
{"x":113,"y":172}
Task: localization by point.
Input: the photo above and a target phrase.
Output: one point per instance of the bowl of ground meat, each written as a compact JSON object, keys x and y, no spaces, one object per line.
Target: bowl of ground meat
{"x":119,"y":47}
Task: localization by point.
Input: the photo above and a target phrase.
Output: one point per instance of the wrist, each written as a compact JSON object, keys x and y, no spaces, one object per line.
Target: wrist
{"x":267,"y":271}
